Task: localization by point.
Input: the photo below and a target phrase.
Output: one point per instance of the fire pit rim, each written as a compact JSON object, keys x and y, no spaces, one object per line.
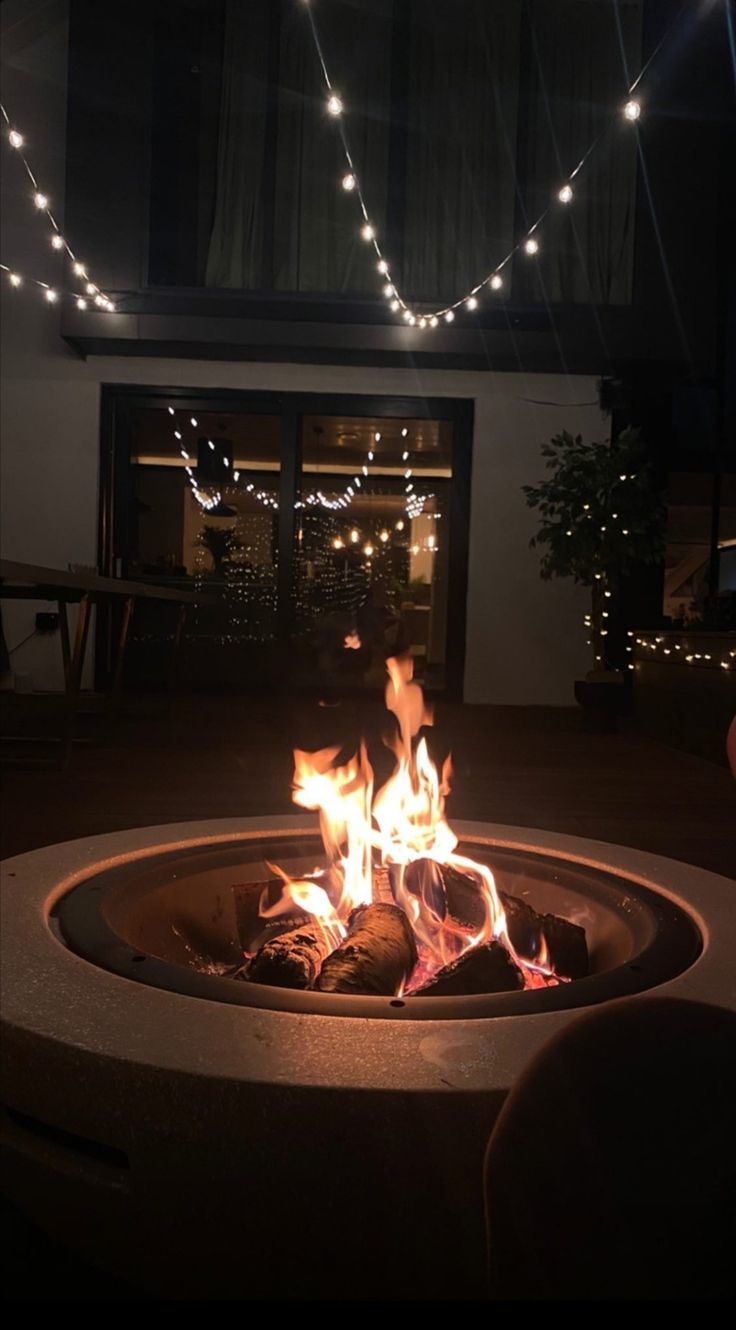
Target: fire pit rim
{"x":69,"y":1000}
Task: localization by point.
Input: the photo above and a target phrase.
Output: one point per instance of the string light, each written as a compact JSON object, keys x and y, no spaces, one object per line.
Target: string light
{"x":42,"y":203}
{"x":565,"y":194}
{"x":471,"y":302}
{"x":15,"y":279}
{"x":496,"y":281}
{"x":334,"y":105}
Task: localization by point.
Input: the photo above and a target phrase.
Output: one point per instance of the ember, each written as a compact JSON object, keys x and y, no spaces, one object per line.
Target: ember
{"x":397,"y":910}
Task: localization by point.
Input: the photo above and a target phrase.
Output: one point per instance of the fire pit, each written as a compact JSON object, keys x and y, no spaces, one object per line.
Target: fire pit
{"x":199,"y":1129}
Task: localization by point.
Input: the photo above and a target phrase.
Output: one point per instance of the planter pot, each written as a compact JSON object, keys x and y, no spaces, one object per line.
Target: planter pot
{"x":603,"y":700}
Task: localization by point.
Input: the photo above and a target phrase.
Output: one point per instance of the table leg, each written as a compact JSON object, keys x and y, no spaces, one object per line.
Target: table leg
{"x":66,"y":654}
{"x":74,"y":682}
{"x":128,"y":608}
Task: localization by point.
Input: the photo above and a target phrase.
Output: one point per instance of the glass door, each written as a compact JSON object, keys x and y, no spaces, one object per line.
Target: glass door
{"x":371,"y":548}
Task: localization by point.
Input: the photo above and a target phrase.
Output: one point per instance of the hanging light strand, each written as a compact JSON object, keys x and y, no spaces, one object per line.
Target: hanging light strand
{"x":90,"y":291}
{"x":528,"y":244}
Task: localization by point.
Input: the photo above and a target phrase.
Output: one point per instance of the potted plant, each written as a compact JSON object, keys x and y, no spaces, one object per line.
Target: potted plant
{"x":221,"y":544}
{"x":600,"y":516}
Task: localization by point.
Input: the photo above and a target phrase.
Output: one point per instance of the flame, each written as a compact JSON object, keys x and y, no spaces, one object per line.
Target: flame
{"x":404,"y":829}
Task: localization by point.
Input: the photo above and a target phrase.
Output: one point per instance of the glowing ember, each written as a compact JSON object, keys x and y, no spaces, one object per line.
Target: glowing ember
{"x":402,"y":834}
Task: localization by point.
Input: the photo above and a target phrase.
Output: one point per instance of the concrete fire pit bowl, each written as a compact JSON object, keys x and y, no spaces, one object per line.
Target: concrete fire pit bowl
{"x":204,"y":1148}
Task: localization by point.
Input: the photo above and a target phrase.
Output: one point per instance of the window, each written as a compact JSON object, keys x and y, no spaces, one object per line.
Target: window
{"x":463,"y":116}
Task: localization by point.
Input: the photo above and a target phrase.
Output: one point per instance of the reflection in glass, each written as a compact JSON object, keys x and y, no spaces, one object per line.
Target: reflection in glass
{"x":371,"y":547}
{"x":206,"y":515}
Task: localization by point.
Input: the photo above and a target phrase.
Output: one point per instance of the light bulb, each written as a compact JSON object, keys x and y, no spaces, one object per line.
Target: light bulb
{"x":405,"y":457}
{"x":81,"y":303}
{"x":236,"y":475}
{"x":79,"y":270}
{"x":194,"y":423}
{"x":415,"y":549}
{"x":354,"y":536}
{"x":395,"y":305}
{"x":211,"y":445}
{"x":40,"y":201}
{"x":409,"y":488}
{"x":632,"y":110}
{"x":334,"y":105}
{"x":407,"y":475}
{"x":471,"y":303}
{"x":565,"y":194}
{"x":377,"y":436}
{"x":370,"y":457}
{"x":170,"y":410}
{"x":531,"y":246}
{"x":389,"y":290}
{"x":422,"y":323}
{"x":226,"y":460}
{"x":383,"y":536}
{"x":367,"y":231}
{"x":496,"y":282}
{"x":51,"y":295}
{"x":338,"y":544}
{"x":99,"y":300}
{"x":368,"y":550}
{"x":177,"y":435}
{"x":15,"y":279}
{"x":348,"y":181}
{"x":412,"y":320}
{"x":568,"y":533}
{"x":449,"y":316}
{"x":90,"y":288}
{"x":15,"y":139}
{"x":622,"y":477}
{"x":382,"y":265}
{"x":399,"y":525}
{"x":404,"y":432}
{"x":57,"y":241}
{"x":433,"y":321}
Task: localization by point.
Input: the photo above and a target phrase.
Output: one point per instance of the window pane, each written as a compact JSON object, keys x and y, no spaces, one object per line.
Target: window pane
{"x":228,"y":550}
{"x":372,"y":547}
{"x":689,"y":508}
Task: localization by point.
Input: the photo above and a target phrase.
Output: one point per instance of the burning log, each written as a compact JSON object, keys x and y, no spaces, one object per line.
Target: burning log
{"x":377,"y":957}
{"x":484,"y":969}
{"x":564,"y":942}
{"x":566,"y":947}
{"x":291,"y":960}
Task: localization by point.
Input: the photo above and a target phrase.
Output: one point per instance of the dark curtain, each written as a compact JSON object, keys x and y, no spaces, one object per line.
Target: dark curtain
{"x":577,"y":57}
{"x":236,"y":246}
{"x":492,"y":106}
{"x":462,"y":113}
{"x":315,"y":243}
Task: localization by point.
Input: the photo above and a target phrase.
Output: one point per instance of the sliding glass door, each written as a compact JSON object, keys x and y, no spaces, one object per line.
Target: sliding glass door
{"x":321,"y":534}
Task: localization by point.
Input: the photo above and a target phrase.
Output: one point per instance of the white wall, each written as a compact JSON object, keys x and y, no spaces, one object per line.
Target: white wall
{"x":525,"y":643}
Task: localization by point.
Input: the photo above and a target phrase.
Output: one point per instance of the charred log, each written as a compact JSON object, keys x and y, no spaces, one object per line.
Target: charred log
{"x":292,"y":960}
{"x":566,"y":947}
{"x":485,"y":969}
{"x":377,"y":957}
{"x":567,"y":950}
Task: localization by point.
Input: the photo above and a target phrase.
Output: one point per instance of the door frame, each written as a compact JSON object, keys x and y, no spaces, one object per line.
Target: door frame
{"x":118,"y":401}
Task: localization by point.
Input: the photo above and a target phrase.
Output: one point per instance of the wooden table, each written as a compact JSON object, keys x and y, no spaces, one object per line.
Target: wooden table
{"x":27,"y":581}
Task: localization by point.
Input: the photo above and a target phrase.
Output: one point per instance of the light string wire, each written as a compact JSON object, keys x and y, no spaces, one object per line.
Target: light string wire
{"x":59,"y":242}
{"x":688,"y":656}
{"x":528,"y":243}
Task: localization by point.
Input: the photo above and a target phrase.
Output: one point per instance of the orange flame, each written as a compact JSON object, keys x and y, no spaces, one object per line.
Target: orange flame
{"x":406,"y":828}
